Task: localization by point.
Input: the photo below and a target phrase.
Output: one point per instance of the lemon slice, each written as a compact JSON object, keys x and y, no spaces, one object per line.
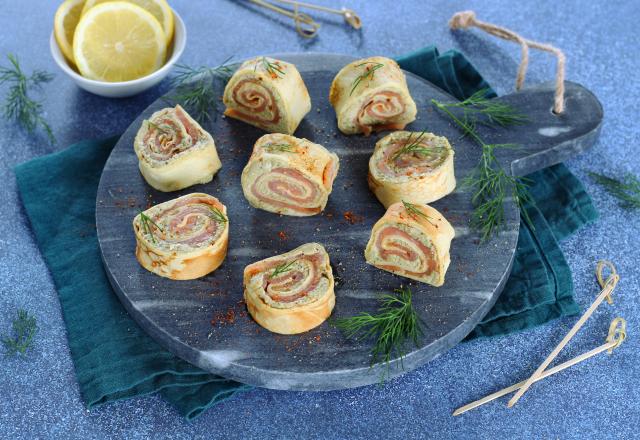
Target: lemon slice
{"x":64,"y":24}
{"x":158,"y":8}
{"x":118,"y":41}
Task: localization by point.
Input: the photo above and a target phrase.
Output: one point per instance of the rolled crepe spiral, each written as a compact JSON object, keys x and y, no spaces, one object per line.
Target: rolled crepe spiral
{"x":411,"y":166}
{"x":291,"y":293}
{"x":174,"y":151}
{"x":371,"y":95}
{"x":184,"y":238}
{"x":411,"y":244}
{"x":289,"y":176}
{"x":269,"y":94}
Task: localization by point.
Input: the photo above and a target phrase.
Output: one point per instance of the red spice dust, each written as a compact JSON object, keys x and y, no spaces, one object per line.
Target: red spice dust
{"x":283,"y":235}
{"x":224,"y":318}
{"x":295,"y":344}
{"x":353,"y":218}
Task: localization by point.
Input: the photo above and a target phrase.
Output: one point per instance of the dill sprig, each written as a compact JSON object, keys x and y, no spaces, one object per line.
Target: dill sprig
{"x":486,"y":111}
{"x":217,"y":215}
{"x":273,"y":69}
{"x":157,"y":127}
{"x":626,"y":190}
{"x":24,"y":330}
{"x":414,"y":146}
{"x":186,"y":73}
{"x":395,"y":323}
{"x":282,"y":268}
{"x":285,"y":148}
{"x":18,"y":105}
{"x":410,"y":146}
{"x":369,"y":71}
{"x":147,"y":224}
{"x":492,"y":185}
{"x":415,"y":212}
{"x":490,"y":182}
{"x":194,"y":88}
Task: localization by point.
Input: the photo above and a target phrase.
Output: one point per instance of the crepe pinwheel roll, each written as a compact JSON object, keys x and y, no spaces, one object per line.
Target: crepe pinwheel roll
{"x":174,"y":151}
{"x":184,"y":238}
{"x":411,"y":241}
{"x":289,"y":176}
{"x":268,"y":94}
{"x":290,"y":293}
{"x":371,"y":95}
{"x":410,"y":166}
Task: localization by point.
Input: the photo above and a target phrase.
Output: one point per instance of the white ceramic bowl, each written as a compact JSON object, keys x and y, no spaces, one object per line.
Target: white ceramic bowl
{"x":124,"y":88}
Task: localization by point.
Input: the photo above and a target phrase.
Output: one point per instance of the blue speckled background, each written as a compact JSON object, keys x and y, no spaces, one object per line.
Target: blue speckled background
{"x":598,"y":399}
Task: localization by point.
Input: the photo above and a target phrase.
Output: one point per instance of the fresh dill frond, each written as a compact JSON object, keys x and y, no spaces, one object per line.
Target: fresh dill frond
{"x":410,"y":146}
{"x":285,"y":148}
{"x":147,"y":224}
{"x":157,"y":127}
{"x":394,"y":323}
{"x":218,"y":215}
{"x":478,"y":109}
{"x":24,"y":331}
{"x":187,"y":73}
{"x":468,"y":128}
{"x":491,"y":184}
{"x":199,"y":99}
{"x":194,"y":88}
{"x":273,"y":69}
{"x":18,"y":105}
{"x":626,"y":190}
{"x":281,"y":268}
{"x":414,"y":146}
{"x":369,"y":71}
{"x":414,"y":212}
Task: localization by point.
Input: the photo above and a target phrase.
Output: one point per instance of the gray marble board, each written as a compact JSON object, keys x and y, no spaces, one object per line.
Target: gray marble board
{"x":205,"y":322}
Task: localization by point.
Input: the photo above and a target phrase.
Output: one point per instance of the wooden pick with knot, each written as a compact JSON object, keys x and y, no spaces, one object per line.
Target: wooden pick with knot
{"x":617,"y":335}
{"x":607,"y":288}
{"x":305,"y":25}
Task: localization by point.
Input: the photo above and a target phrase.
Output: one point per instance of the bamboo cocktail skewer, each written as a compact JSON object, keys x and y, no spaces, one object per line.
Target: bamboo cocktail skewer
{"x":607,"y":288}
{"x":300,"y":18}
{"x":349,"y":15}
{"x":617,"y":334}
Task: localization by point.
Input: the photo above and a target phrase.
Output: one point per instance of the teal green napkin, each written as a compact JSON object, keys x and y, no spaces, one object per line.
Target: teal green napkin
{"x":540,"y":287}
{"x":114,"y":359}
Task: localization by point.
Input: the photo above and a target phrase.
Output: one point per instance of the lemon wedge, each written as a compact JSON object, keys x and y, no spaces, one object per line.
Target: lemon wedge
{"x":158,"y":8}
{"x":64,"y":25}
{"x":118,"y":41}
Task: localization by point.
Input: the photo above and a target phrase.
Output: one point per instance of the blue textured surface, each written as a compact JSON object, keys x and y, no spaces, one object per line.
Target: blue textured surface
{"x":598,"y":399}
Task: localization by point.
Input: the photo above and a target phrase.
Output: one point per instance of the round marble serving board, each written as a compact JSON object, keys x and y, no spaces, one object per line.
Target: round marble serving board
{"x":205,"y":322}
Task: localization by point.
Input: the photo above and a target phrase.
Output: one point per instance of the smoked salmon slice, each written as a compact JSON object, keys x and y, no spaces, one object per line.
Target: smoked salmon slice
{"x":184,"y":238}
{"x":269,"y":94}
{"x":174,"y":151}
{"x":288,"y":175}
{"x":293,"y":292}
{"x":371,"y":95}
{"x":416,"y":167}
{"x":412,"y":241}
